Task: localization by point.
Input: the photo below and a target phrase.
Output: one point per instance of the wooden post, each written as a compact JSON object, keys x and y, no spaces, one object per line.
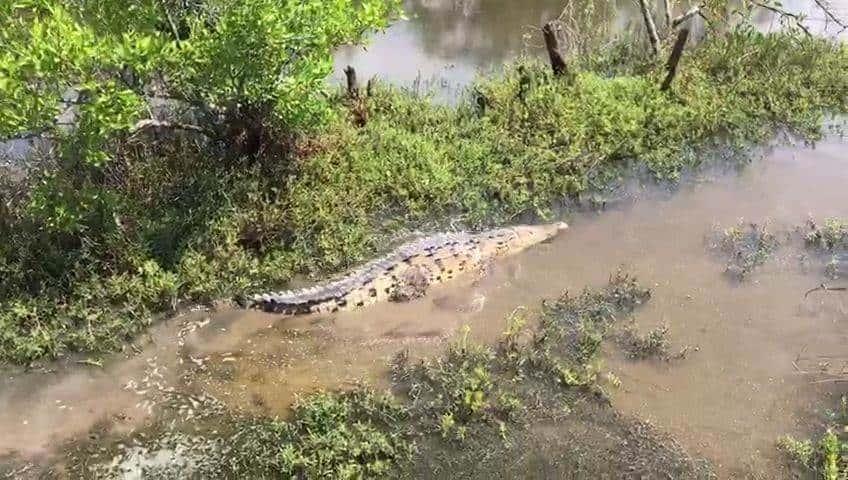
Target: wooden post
{"x":523,"y":83}
{"x":674,"y":58}
{"x":352,"y":88}
{"x":549,"y":31}
{"x":369,"y":87}
{"x":481,"y":102}
{"x":652,"y":29}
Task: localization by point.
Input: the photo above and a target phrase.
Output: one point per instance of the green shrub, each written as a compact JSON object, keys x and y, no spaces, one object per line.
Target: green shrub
{"x":350,"y":435}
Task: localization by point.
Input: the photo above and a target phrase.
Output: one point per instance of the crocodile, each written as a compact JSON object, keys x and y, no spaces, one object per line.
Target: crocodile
{"x":409,"y":270}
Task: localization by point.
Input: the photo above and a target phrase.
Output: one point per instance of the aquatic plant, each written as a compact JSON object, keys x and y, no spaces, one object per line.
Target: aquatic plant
{"x":747,"y":246}
{"x":827,"y":457}
{"x":641,"y":346}
{"x":831,"y":241}
{"x":346,"y":435}
{"x":832,"y":236}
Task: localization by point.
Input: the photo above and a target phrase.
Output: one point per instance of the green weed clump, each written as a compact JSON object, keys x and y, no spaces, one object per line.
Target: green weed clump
{"x":461,"y":390}
{"x":653,"y":344}
{"x":830,"y":239}
{"x":746,"y":246}
{"x":474,"y":387}
{"x":828,"y":456}
{"x":172,"y":221}
{"x":567,"y":345}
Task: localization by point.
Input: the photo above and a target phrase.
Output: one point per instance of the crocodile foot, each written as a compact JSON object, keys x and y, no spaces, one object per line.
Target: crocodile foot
{"x":411,"y":285}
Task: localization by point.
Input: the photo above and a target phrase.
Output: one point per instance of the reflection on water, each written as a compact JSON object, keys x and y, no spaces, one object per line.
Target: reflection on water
{"x":445,"y":43}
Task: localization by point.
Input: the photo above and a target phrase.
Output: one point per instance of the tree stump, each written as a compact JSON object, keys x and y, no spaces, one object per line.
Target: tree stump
{"x":352,"y":87}
{"x":550,"y":32}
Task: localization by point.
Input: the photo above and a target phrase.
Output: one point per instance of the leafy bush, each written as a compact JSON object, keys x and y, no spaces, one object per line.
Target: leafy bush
{"x":346,"y":436}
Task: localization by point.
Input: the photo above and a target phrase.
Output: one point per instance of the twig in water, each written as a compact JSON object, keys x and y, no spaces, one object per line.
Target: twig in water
{"x":825,"y":288}
{"x":93,"y":363}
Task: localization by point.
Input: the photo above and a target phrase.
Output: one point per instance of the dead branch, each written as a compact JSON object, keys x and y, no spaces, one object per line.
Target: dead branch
{"x":667,"y":12}
{"x":825,"y":288}
{"x":650,"y":26}
{"x":150,"y":123}
{"x":826,"y":9}
{"x":174,"y":30}
{"x":549,"y":32}
{"x":352,"y":87}
{"x":686,"y":16}
{"x":369,"y":87}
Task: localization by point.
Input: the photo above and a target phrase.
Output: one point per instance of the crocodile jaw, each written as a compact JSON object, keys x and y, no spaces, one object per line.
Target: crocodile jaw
{"x":528,"y":235}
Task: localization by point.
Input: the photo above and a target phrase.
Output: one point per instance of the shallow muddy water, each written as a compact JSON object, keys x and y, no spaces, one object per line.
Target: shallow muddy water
{"x":761,"y":356}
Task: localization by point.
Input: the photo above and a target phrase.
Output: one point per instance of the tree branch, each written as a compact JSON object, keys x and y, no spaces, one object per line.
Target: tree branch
{"x":151,"y":123}
{"x":686,"y":16}
{"x":667,"y":11}
{"x":649,"y":24}
{"x":830,"y":14}
{"x":171,"y":22}
{"x":795,"y":17}
{"x":674,"y":58}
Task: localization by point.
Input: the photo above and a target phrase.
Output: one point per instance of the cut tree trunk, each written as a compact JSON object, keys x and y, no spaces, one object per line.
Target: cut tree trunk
{"x":352,"y":87}
{"x":550,"y":32}
{"x":674,"y":58}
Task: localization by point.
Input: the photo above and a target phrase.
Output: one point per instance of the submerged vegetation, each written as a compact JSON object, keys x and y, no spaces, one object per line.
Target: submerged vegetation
{"x":253,"y":176}
{"x":441,"y":411}
{"x":746,"y":246}
{"x":830,"y":239}
{"x":826,"y":457}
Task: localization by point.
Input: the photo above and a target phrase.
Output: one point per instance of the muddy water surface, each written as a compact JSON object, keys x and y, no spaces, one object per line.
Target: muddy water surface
{"x":760,"y":358}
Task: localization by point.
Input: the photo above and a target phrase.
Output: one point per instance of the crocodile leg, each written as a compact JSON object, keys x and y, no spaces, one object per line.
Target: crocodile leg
{"x":411,"y":283}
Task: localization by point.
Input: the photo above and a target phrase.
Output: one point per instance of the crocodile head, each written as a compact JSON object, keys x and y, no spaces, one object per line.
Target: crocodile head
{"x":529,"y":235}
